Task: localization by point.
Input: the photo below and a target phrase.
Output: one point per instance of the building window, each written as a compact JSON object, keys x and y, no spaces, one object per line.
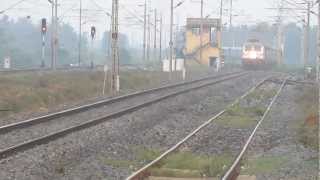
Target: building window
{"x":213,"y":36}
{"x":195,"y":30}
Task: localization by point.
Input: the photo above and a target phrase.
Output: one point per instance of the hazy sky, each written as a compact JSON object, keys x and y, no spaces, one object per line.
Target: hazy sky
{"x":245,"y":11}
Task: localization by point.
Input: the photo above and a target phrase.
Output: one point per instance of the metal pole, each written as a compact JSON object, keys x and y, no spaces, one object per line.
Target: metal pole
{"x":149,"y":37}
{"x":171,"y":41}
{"x":115,"y":79}
{"x":80,"y":34}
{"x":279,"y":35}
{"x":201,"y":30}
{"x":144,"y":31}
{"x":318,"y":59}
{"x":155,"y":33}
{"x":306,"y":37}
{"x":220,"y":35}
{"x":43,"y":50}
{"x":231,"y":9}
{"x":52,"y":34}
{"x":55,"y":36}
{"x":109,"y":39}
{"x":160,"y":40}
{"x":155,"y":29}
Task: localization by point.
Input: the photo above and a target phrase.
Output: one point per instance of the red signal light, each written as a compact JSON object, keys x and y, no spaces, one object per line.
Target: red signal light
{"x":44,"y":25}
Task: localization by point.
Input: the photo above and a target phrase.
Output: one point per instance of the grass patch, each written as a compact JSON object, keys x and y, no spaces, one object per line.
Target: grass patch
{"x":241,"y":117}
{"x":262,"y":94}
{"x":189,"y":165}
{"x":263,"y":165}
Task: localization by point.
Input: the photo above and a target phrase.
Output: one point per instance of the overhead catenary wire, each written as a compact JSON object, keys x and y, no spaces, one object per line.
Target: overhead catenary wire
{"x":12,"y":6}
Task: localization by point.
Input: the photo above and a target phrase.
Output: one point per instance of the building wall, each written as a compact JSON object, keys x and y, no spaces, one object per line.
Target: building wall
{"x":193,"y":44}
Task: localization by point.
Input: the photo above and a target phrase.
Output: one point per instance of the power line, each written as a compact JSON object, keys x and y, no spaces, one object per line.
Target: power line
{"x":12,"y":6}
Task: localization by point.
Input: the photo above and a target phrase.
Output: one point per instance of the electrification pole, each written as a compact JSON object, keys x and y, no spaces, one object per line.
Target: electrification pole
{"x":307,"y":35}
{"x":318,"y":59}
{"x":149,"y":37}
{"x":55,"y":54}
{"x":155,"y":33}
{"x":231,"y":9}
{"x":52,"y":32}
{"x":201,"y":30}
{"x":220,"y":36}
{"x":144,"y":31}
{"x":280,"y":37}
{"x":171,"y":41}
{"x":80,"y":34}
{"x":115,"y":79}
{"x":160,"y":40}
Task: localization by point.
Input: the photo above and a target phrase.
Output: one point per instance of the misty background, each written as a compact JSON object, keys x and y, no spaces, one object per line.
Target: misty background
{"x":20,"y":31}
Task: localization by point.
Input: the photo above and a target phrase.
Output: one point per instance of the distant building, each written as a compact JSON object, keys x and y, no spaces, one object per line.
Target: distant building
{"x":211,"y":41}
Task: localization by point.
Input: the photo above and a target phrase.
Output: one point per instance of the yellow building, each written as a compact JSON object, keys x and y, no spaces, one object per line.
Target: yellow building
{"x":211,"y":41}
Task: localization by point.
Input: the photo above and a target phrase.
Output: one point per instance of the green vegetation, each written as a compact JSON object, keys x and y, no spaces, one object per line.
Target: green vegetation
{"x":246,"y":115}
{"x":180,"y":164}
{"x":262,"y":94}
{"x":241,"y":117}
{"x":263,"y":165}
{"x":192,"y":164}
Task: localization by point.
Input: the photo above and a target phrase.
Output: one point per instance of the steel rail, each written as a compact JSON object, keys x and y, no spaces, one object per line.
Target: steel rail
{"x":234,"y":169}
{"x":37,"y":120}
{"x":4,"y":153}
{"x":142,"y":173}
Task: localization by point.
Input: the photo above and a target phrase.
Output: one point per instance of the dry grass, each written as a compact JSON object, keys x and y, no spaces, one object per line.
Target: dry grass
{"x":38,"y":92}
{"x":308,"y":127}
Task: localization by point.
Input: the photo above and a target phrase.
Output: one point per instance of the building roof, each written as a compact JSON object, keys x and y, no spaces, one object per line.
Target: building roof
{"x":196,"y":22}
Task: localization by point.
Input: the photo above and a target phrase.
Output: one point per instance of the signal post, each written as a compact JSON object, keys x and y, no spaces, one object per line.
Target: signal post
{"x":43,"y":33}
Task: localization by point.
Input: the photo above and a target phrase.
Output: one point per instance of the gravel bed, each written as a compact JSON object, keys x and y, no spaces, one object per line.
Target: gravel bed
{"x":220,"y":138}
{"x":277,"y":141}
{"x":25,"y":134}
{"x":83,"y":155}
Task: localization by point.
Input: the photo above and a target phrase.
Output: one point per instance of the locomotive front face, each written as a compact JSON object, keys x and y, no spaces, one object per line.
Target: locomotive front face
{"x":253,"y":53}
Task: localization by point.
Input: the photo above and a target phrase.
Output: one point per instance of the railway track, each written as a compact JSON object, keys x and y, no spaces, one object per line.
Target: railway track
{"x":26,"y":134}
{"x":233,"y":170}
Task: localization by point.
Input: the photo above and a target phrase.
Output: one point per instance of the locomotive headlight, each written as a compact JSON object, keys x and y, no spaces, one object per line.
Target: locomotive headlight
{"x":253,"y":55}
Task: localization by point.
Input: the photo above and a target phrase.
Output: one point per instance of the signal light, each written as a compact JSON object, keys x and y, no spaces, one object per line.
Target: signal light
{"x":44,"y":25}
{"x":93,"y":32}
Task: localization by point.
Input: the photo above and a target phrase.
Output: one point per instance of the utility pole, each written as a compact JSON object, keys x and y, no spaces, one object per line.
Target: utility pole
{"x":220,"y":35}
{"x":149,"y":37}
{"x":144,"y":31}
{"x":52,"y":32}
{"x":306,"y":36}
{"x":231,"y":9}
{"x":280,"y":37}
{"x":318,"y":59}
{"x":155,"y":33}
{"x":55,"y":43}
{"x":171,"y":41}
{"x":115,"y":79}
{"x":80,"y":34}
{"x":160,"y":40}
{"x":201,"y":30}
